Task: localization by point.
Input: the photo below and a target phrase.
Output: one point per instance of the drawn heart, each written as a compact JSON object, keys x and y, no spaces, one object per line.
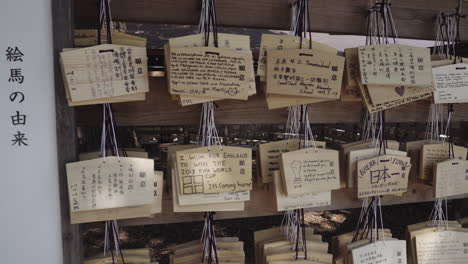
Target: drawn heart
{"x":400,"y":90}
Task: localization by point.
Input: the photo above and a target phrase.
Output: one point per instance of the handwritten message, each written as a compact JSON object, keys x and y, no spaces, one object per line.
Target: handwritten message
{"x":270,"y":155}
{"x":233,"y":42}
{"x":209,"y":198}
{"x":104,"y":71}
{"x":291,"y":202}
{"x":283,"y":42}
{"x":395,"y":64}
{"x":451,"y":178}
{"x":210,"y":72}
{"x":383,"y":175}
{"x":451,"y":83}
{"x":310,"y":171}
{"x":364,"y":154}
{"x":442,"y":247}
{"x":201,"y":207}
{"x":434,"y":153}
{"x":110,"y":183}
{"x":309,"y":73}
{"x":388,"y":251}
{"x":214,"y":169}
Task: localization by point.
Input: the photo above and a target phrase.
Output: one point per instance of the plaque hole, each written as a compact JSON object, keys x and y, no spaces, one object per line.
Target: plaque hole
{"x":104,"y":51}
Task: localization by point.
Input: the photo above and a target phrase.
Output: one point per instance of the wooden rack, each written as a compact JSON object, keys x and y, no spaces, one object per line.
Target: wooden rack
{"x":413,"y":18}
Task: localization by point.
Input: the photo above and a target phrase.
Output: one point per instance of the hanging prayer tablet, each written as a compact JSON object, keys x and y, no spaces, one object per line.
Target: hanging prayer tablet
{"x":270,"y":155}
{"x":110,"y":182}
{"x":305,"y":72}
{"x":382,"y":94}
{"x":357,"y":155}
{"x":395,"y":64}
{"x":283,"y":42}
{"x":372,"y":108}
{"x":383,"y":251}
{"x":291,"y":202}
{"x":201,"y":207}
{"x":451,"y":178}
{"x":214,"y":169}
{"x":451,"y":84}
{"x":310,"y":171}
{"x":233,"y":42}
{"x":437,"y":247}
{"x":435,"y":153}
{"x":207,"y":198}
{"x":147,"y":210}
{"x":104,"y":71}
{"x":383,"y":175}
{"x":209,"y":72}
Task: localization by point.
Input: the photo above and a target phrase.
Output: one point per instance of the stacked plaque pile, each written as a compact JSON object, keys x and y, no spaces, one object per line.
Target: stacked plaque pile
{"x":272,"y":246}
{"x":229,"y":250}
{"x":130,"y":256}
{"x":356,"y":151}
{"x":437,"y":243}
{"x":284,"y":164}
{"x":295,"y":74}
{"x":389,"y":75}
{"x":441,"y":164}
{"x":199,"y":71}
{"x":215,"y":178}
{"x":375,"y":247}
{"x":88,"y":37}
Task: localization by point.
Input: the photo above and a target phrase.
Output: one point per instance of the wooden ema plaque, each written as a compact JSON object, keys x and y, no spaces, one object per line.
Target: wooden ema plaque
{"x":383,"y":175}
{"x":104,"y":71}
{"x":382,"y":251}
{"x":270,"y":155}
{"x":214,"y":169}
{"x":110,"y":182}
{"x":310,"y":171}
{"x":395,"y":64}
{"x":451,"y":178}
{"x":451,"y":83}
{"x":209,"y":72}
{"x":305,"y":72}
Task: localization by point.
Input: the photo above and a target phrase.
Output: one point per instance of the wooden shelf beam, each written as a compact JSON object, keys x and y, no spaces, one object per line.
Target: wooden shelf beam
{"x":413,"y":18}
{"x":160,"y":110}
{"x":262,"y":204}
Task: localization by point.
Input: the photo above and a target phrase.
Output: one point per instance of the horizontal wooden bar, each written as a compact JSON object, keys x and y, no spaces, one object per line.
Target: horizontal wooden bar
{"x":262,"y":203}
{"x":160,"y":110}
{"x":413,"y":18}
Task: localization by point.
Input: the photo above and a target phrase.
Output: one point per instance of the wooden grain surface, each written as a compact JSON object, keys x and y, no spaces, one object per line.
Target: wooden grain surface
{"x":413,"y":18}
{"x":159,"y":109}
{"x":262,"y":204}
{"x":72,"y":246}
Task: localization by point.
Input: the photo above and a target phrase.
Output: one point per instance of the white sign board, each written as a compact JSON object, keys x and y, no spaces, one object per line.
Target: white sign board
{"x":30,"y":202}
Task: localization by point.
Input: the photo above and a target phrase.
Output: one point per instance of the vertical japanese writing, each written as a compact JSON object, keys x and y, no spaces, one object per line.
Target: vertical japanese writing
{"x":14,"y":57}
{"x":101,"y":184}
{"x":395,"y":64}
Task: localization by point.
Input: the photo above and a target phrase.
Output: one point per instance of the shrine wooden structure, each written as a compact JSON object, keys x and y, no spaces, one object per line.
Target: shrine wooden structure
{"x":413,"y":18}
